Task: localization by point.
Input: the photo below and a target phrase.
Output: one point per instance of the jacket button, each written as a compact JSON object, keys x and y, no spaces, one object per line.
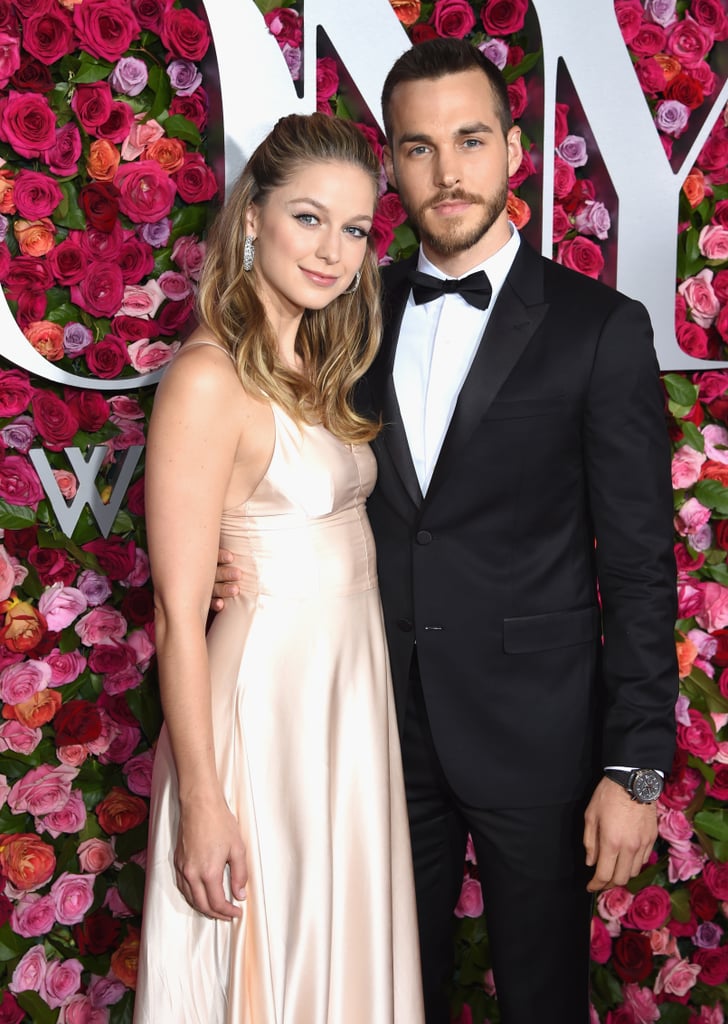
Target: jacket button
{"x":405,"y":625}
{"x":424,"y":537}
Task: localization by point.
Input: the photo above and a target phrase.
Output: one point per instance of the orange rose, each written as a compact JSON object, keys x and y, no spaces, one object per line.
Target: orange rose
{"x":46,"y":338}
{"x":519,"y":212}
{"x":7,"y":192}
{"x":694,"y":187}
{"x":26,"y":860}
{"x":125,"y":959}
{"x":103,"y":160}
{"x":714,"y":471}
{"x":671,"y":66}
{"x":36,"y":711}
{"x":119,"y":811}
{"x":408,"y":11}
{"x":24,"y":628}
{"x":169,"y":154}
{"x":687,"y":652}
{"x":35,"y":237}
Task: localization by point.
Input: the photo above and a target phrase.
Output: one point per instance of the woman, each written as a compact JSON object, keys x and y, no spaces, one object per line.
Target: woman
{"x":279,"y":887}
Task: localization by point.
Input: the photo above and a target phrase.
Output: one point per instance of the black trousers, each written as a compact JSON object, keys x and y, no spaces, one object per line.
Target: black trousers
{"x":533,"y":876}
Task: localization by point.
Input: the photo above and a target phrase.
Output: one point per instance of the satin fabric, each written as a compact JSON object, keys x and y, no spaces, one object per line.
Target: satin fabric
{"x":308,"y":755}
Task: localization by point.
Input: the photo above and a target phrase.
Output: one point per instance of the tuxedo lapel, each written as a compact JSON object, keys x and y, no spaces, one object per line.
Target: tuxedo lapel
{"x":517,"y":314}
{"x":393,"y":438}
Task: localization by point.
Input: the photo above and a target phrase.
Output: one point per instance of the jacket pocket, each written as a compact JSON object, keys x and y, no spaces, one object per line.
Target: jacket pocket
{"x":529,"y":633}
{"x":524,"y":407}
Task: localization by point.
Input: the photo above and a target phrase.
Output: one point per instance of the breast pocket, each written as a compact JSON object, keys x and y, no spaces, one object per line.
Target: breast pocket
{"x":522,"y":408}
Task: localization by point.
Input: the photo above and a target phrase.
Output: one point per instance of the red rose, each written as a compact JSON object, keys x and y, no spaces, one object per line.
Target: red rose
{"x":8,"y":18}
{"x":32,"y":76}
{"x":115,"y":556}
{"x":100,"y":203}
{"x":719,"y":786}
{"x":693,"y":340}
{"x":28,"y":124}
{"x":649,"y":40}
{"x":629,"y":18}
{"x":67,"y":262}
{"x":111,"y":657}
{"x":136,"y":260}
{"x":421,"y":33}
{"x":702,"y":901}
{"x":55,"y":422}
{"x":686,"y":90}
{"x":649,"y":909}
{"x":713,"y":157}
{"x":36,"y":195}
{"x":174,"y":316}
{"x":15,"y":393}
{"x":711,"y":15}
{"x":149,"y":13}
{"x":582,"y":190}
{"x":119,"y":811}
{"x":101,"y":290}
{"x":651,"y":76}
{"x":62,"y":157}
{"x":19,"y":542}
{"x":97,"y":933}
{"x":106,"y":358}
{"x":27,"y":274}
{"x":5,"y":260}
{"x":105,"y":28}
{"x":581,"y":254}
{"x":194,"y":107}
{"x":49,"y":36}
{"x":184,"y":34}
{"x":196,"y":182}
{"x":135,"y":504}
{"x":91,"y":103}
{"x":31,"y":308}
{"x":715,"y":877}
{"x":382,"y":234}
{"x":504,"y":17}
{"x":90,"y":408}
{"x":714,"y":964}
{"x":147,"y":193}
{"x":118,"y":124}
{"x":77,"y":721}
{"x":453,"y":18}
{"x":632,"y":956}
{"x":138,"y":604}
{"x":697,"y":738}
{"x":133,"y":328}
{"x":53,"y":565}
{"x":100,"y":245}
{"x":10,"y":1010}
{"x":517,"y":97}
{"x":286,"y":25}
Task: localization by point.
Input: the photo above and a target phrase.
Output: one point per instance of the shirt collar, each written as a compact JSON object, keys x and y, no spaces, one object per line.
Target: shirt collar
{"x":496,"y":266}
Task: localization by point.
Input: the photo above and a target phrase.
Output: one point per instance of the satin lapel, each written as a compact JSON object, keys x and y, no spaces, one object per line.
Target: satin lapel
{"x":392,"y":442}
{"x":516,"y":316}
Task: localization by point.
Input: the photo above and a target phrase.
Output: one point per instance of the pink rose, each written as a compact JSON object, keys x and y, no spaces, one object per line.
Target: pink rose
{"x":105,"y":28}
{"x":629,"y":17}
{"x":700,"y":297}
{"x":641,"y":1002}
{"x":124,"y":741}
{"x":716,"y":443}
{"x":676,"y":977}
{"x":715,"y":607}
{"x":693,"y":340}
{"x":673,"y":825}
{"x":146,"y":191}
{"x":712,"y":241}
{"x":686,"y":463}
{"x":61,"y":605}
{"x":663,"y":942}
{"x":614,"y":903}
{"x":101,"y":624}
{"x":147,"y":356}
{"x":33,"y":914}
{"x":69,"y":818}
{"x":65,"y":667}
{"x":470,"y":902}
{"x":141,"y":135}
{"x":19,"y":682}
{"x":35,"y":195}
{"x":564,"y":178}
{"x":19,"y":483}
{"x":142,"y":646}
{"x":7,"y":575}
{"x":28,"y":124}
{"x":80,"y":1010}
{"x":62,"y":980}
{"x":138,"y":772}
{"x":30,"y":971}
{"x":96,"y":855}
{"x":141,"y":300}
{"x":188,"y":252}
{"x":73,"y":754}
{"x":684,"y":861}
{"x":285,"y":24}
{"x":689,"y":41}
{"x":601,"y":941}
{"x":72,"y":896}
{"x":9,"y":57}
{"x":691,"y":516}
{"x":174,"y":285}
{"x":63,"y":154}
{"x":21,"y":739}
{"x":196,"y":182}
{"x":42,"y":789}
{"x":650,"y":909}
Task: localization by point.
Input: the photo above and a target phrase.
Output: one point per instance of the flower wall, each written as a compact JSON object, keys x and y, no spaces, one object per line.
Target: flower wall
{"x":106,"y":191}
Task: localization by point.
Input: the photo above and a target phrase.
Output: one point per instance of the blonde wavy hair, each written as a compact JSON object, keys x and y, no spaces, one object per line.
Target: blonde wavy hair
{"x":336,"y":344}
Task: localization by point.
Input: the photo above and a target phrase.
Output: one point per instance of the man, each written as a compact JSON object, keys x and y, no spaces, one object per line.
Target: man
{"x":523,"y":457}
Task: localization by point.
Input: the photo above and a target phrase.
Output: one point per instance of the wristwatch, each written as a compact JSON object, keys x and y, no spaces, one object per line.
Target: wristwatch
{"x":643,"y":784}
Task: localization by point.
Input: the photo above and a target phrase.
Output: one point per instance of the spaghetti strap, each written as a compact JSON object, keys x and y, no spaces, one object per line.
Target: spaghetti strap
{"x":210,"y":344}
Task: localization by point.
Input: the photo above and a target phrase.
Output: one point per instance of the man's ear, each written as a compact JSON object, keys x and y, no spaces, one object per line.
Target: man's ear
{"x":388,"y":161}
{"x":515,"y":150}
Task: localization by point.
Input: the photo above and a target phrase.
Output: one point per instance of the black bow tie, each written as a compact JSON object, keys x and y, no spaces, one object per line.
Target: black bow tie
{"x":475,"y":288}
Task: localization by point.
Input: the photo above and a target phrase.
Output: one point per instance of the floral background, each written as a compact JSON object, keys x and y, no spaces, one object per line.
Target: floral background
{"x":106,"y":190}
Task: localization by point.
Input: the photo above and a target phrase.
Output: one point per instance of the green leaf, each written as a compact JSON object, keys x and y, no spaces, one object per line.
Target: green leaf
{"x":16,"y":517}
{"x":12,"y":945}
{"x":122,"y":1012}
{"x":144,"y":704}
{"x":131,"y":886}
{"x":674,"y":1013}
{"x":68,"y":213}
{"x":160,"y":85}
{"x":190,"y":220}
{"x":680,"y":389}
{"x":713,"y":823}
{"x":693,"y":436}
{"x":530,"y":60}
{"x":92,"y":69}
{"x":39,"y":1010}
{"x":178,"y":127}
{"x":680,"y":903}
{"x":64,"y":313}
{"x":131,"y":842}
{"x":712,"y":494}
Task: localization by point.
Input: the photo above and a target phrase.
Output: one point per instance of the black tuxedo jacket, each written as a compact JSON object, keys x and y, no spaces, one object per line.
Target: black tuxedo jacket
{"x":547,"y":525}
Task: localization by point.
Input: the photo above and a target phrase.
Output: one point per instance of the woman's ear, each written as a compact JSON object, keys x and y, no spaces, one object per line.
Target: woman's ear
{"x":251,"y":220}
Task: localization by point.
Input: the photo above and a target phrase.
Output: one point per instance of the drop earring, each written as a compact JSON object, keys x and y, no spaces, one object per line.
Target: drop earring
{"x":248,"y":252}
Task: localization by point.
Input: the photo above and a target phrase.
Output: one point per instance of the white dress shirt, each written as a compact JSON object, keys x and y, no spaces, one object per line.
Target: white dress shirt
{"x":436,"y":347}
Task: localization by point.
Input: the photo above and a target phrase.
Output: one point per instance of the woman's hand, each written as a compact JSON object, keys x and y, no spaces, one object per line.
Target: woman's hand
{"x":208,"y":839}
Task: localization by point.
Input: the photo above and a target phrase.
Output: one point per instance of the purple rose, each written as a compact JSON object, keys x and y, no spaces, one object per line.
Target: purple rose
{"x":708,"y":935}
{"x":94,"y":587}
{"x":662,"y":12}
{"x":672,"y":117}
{"x":292,"y":57}
{"x":593,"y":219}
{"x":156,"y":234}
{"x":573,"y":150}
{"x":76,"y":338}
{"x":184,"y":76}
{"x":496,"y":50}
{"x":130,"y":76}
{"x":20,"y":434}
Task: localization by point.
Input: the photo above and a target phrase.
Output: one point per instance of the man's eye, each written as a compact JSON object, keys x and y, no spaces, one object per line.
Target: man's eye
{"x":472,"y":143}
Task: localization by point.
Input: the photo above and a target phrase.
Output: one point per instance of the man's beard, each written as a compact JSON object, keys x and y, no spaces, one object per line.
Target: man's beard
{"x":453,"y":239}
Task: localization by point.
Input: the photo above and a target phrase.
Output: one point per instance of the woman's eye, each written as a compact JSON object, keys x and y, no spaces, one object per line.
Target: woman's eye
{"x":357,"y":232}
{"x":306,"y":218}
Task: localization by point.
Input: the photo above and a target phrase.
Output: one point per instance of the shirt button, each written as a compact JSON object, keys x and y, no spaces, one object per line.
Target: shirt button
{"x":405,"y":625}
{"x":424,"y":537}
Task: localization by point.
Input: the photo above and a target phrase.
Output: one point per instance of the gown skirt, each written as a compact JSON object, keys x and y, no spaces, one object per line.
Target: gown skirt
{"x":307,"y":752}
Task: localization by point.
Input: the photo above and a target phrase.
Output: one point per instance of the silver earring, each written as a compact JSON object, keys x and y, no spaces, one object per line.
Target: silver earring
{"x":248,"y":252}
{"x":354,"y":284}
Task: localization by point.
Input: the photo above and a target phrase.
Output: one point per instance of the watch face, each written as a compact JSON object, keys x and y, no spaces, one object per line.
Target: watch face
{"x":646,"y":785}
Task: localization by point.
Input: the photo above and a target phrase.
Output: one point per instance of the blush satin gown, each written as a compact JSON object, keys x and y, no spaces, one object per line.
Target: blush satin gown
{"x":308,"y":755}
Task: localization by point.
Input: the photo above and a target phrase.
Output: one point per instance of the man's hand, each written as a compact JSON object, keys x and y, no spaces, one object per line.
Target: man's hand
{"x":226,"y":576}
{"x":619,"y":834}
